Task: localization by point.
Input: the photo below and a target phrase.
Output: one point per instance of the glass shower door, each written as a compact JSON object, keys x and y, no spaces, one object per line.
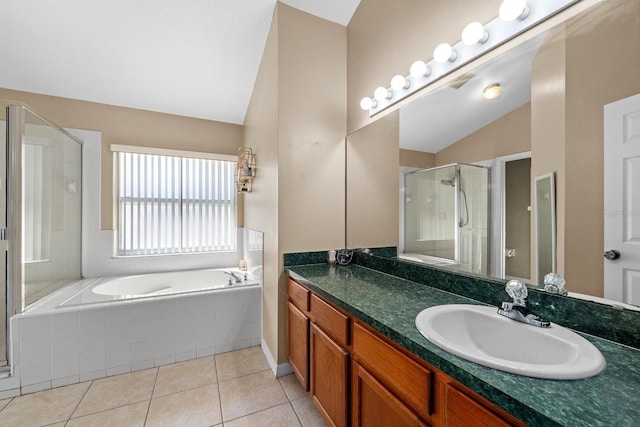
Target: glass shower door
{"x":50,"y":208}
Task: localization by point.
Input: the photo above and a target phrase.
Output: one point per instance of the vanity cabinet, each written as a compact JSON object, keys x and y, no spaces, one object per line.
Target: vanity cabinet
{"x":462,"y":410}
{"x":374,"y":405}
{"x":358,"y":377}
{"x":297,"y":334}
{"x":317,"y":341}
{"x":329,"y":377}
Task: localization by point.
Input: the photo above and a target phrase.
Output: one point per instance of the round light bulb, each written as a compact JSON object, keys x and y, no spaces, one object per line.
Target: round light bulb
{"x":399,"y":83}
{"x":367,"y":103}
{"x":510,"y":10}
{"x":474,"y":33}
{"x":444,"y":53}
{"x":382,"y":93}
{"x":419,"y":69}
{"x":492,"y":91}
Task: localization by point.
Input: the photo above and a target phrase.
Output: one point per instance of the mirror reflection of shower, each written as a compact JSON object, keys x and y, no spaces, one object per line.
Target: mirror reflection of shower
{"x":446,"y":216}
{"x":462,"y":221}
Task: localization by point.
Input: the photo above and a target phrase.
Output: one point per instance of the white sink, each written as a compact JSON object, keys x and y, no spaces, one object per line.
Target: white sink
{"x":481,"y":335}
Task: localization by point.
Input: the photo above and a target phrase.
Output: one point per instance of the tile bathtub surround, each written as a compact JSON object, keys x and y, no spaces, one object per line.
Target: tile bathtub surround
{"x":183,"y":394}
{"x":65,"y":346}
{"x":620,"y":326}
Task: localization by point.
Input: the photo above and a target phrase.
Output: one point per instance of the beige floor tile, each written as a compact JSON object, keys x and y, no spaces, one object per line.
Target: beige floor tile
{"x":307,"y":413}
{"x":62,"y":424}
{"x":281,"y":415}
{"x":185,"y":376}
{"x":44,"y":407}
{"x":193,"y":408}
{"x":4,"y":402}
{"x":251,"y":393}
{"x":241,"y":362}
{"x":292,"y":387}
{"x":124,"y":416}
{"x":120,"y":390}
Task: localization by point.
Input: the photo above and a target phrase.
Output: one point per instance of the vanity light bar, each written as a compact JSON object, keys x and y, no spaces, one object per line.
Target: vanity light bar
{"x":496,"y":33}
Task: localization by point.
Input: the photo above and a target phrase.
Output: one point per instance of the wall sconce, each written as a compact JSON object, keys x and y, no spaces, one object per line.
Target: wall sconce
{"x":246,"y":170}
{"x":514,"y":17}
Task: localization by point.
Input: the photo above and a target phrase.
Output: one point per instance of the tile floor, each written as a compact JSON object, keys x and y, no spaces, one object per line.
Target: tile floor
{"x":232,"y":389}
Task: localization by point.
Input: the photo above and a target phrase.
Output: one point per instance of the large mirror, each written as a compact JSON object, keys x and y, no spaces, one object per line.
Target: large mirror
{"x":547,"y":119}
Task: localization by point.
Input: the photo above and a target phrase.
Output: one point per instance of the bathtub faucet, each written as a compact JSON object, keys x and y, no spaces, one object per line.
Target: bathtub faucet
{"x":233,"y":275}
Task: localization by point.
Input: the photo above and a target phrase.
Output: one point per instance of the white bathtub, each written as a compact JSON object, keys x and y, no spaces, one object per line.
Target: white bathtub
{"x":112,"y":325}
{"x":107,"y":289}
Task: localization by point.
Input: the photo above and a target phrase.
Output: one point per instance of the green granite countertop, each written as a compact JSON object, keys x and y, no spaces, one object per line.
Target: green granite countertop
{"x":390,"y":305}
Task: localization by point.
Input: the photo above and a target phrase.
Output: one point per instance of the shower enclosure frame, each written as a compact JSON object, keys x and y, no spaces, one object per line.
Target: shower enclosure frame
{"x":12,"y":202}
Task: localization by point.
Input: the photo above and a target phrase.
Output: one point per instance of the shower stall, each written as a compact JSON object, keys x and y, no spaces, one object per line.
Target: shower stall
{"x":40,"y":211}
{"x":446,"y":216}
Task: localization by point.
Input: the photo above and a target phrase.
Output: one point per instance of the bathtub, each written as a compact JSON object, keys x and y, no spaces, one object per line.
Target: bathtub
{"x":107,"y":289}
{"x":112,"y":325}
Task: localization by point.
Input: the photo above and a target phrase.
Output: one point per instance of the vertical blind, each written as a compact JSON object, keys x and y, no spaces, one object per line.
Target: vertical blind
{"x":169,"y":205}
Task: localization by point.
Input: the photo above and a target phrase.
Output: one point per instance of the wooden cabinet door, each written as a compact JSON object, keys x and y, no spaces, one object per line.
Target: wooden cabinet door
{"x":329,"y":365}
{"x":463,"y":411}
{"x":373,"y":405}
{"x":298,"y":343}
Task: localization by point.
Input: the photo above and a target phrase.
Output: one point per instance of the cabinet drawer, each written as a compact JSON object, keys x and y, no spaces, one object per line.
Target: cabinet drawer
{"x":330,"y":320}
{"x":298,"y":294}
{"x":464,"y":411}
{"x":408,"y":380}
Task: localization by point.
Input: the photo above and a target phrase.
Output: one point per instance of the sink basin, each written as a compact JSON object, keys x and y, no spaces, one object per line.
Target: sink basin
{"x":481,"y":335}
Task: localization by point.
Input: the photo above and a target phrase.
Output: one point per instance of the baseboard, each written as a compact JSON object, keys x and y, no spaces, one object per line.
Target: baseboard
{"x":278,"y":370}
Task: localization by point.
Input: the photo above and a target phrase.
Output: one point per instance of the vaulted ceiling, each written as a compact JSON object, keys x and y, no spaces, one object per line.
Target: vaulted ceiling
{"x":196,"y":58}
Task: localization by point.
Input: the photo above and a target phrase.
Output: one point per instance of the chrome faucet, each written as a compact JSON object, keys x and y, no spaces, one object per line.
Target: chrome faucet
{"x":517,"y":310}
{"x":233,"y":276}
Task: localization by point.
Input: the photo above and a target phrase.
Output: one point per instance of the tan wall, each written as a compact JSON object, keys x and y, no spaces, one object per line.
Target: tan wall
{"x":297,"y":122}
{"x":601,"y":67}
{"x":261,"y":205}
{"x":386,"y":37}
{"x":576,"y":73}
{"x":548,"y":133}
{"x":373,"y":157}
{"x":129,"y":126}
{"x":417,"y":159}
{"x":510,"y":134}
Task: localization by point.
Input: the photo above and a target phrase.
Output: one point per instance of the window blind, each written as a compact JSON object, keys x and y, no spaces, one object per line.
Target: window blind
{"x":169,"y":204}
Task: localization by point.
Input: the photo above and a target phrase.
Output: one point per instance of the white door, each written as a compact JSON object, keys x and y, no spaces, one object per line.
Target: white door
{"x":622,"y":200}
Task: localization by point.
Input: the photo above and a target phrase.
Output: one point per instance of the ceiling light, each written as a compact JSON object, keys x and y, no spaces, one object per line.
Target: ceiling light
{"x":492,"y":91}
{"x":510,"y":10}
{"x":444,"y":53}
{"x":419,"y":69}
{"x":382,"y":93}
{"x":474,"y":33}
{"x":399,"y":82}
{"x":367,"y":103}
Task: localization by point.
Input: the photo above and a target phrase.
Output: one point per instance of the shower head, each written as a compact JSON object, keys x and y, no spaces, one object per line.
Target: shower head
{"x":451,"y":182}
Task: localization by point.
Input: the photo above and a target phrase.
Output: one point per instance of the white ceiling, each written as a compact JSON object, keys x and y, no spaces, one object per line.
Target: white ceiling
{"x":447,"y":115}
{"x":196,"y":58}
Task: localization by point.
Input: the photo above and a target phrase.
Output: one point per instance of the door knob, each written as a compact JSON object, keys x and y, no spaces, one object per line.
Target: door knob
{"x":612,"y":254}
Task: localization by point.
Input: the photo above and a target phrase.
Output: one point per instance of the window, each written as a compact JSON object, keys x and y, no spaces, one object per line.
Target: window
{"x":174,"y":204}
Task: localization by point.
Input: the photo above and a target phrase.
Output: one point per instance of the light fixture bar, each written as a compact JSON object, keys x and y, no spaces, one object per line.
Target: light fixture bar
{"x":498,"y":32}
